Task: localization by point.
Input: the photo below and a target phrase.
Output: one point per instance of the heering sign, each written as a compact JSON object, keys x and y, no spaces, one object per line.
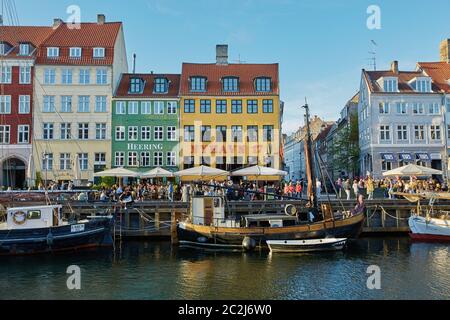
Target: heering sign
{"x":144,"y":147}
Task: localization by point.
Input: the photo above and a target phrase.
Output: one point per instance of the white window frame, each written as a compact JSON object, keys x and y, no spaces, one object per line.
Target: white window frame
{"x":23,"y":52}
{"x":52,"y":52}
{"x":84,"y":76}
{"x":158,"y":155}
{"x":98,"y":52}
{"x":65,"y":129}
{"x":386,"y":130}
{"x":158,"y":107}
{"x":121,"y":107}
{"x":5,"y":134}
{"x":83,"y":128}
{"x":25,"y":75}
{"x":48,"y":127}
{"x":65,"y":161}
{"x":146,"y":133}
{"x":172,"y":107}
{"x":119,"y":159}
{"x":171,"y":159}
{"x":99,"y":158}
{"x":436,"y":130}
{"x":120,"y":130}
{"x":101,"y":101}
{"x":100,"y":131}
{"x":146,"y":107}
{"x":133,"y":107}
{"x":402,"y":129}
{"x":132,"y":159}
{"x":83,"y":161}
{"x":146,"y":159}
{"x":49,"y":76}
{"x":24,"y":104}
{"x":5,"y":104}
{"x":66,"y":104}
{"x":171,"y":133}
{"x":6,"y":74}
{"x":66,"y":76}
{"x":133,"y":133}
{"x":22,"y":131}
{"x":402,"y":108}
{"x":84,"y":105}
{"x":158,"y":133}
{"x":75,"y":52}
{"x":101,"y":76}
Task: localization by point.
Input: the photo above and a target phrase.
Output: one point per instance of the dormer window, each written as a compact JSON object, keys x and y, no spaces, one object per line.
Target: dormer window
{"x":230,"y":84}
{"x":2,"y":49}
{"x":99,"y":53}
{"x":24,"y":49}
{"x":198,"y":84}
{"x":390,"y":85}
{"x":75,"y":52}
{"x":421,"y":84}
{"x":263,"y":84}
{"x":52,"y":52}
{"x":161,"y":85}
{"x":136,"y":85}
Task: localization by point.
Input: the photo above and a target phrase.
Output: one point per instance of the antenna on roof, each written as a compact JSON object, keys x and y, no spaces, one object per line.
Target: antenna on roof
{"x":373,"y":53}
{"x":239,"y":60}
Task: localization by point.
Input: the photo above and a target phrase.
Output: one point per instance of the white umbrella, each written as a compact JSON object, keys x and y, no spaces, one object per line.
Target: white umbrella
{"x":116,"y":172}
{"x":202,"y":171}
{"x":156,"y":173}
{"x":258,"y":171}
{"x":412,"y":170}
{"x":76,"y":171}
{"x":30,"y":171}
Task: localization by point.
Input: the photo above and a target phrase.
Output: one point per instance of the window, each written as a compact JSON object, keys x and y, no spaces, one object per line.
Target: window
{"x":146,"y":133}
{"x":252,"y":133}
{"x":161,"y":85}
{"x":49,"y":103}
{"x":145,"y":159}
{"x":47,"y":132}
{"x":75,"y":52}
{"x":25,"y":75}
{"x":236,"y":106}
{"x":252,"y":106}
{"x":66,"y":103}
{"x":189,"y":133}
{"x":133,"y":133}
{"x":99,"y":158}
{"x":433,"y":108}
{"x":99,"y":53}
{"x":120,"y":107}
{"x":136,"y":85}
{"x":236,"y":133}
{"x":159,"y":107}
{"x":402,"y":108}
{"x":100,"y":131}
{"x":198,"y":83}
{"x":268,"y":133}
{"x":158,"y":159}
{"x":5,"y":104}
{"x":205,"y":106}
{"x":64,"y":161}
{"x":188,"y":162}
{"x":447,"y":103}
{"x":47,"y":161}
{"x":268,"y":106}
{"x":384,"y":107}
{"x":189,"y":106}
{"x":418,"y":108}
{"x":119,"y":159}
{"x":52,"y":52}
{"x":120,"y":133}
{"x":83,"y":161}
{"x":133,"y":107}
{"x":171,"y":159}
{"x":435,"y":132}
{"x":221,"y":133}
{"x":83,"y":131}
{"x":172,"y":107}
{"x":5,"y":134}
{"x":402,"y":132}
{"x":419,"y":133}
{"x":65,"y":131}
{"x":171,"y":133}
{"x":132,"y":159}
{"x":390,"y":85}
{"x":221,"y":106}
{"x":85,"y":76}
{"x":386,"y":165}
{"x":23,"y":134}
{"x":146,"y":107}
{"x":158,"y":134}
{"x":263,"y":84}
{"x":385,"y":133}
{"x":230,"y":84}
{"x":83,"y":104}
{"x":24,"y":104}
{"x":3,"y":48}
{"x":66,"y":77}
{"x":49,"y":76}
{"x":24,"y":49}
{"x":423,"y":85}
{"x":5,"y":74}
{"x":100,"y":103}
{"x":102,"y":76}
{"x":206,"y":133}
{"x":448,"y":131}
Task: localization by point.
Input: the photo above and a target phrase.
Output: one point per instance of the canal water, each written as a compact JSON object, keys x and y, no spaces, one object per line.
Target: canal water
{"x":149,"y":270}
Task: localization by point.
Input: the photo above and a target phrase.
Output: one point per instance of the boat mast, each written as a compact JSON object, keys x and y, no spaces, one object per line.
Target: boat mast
{"x":309,"y":162}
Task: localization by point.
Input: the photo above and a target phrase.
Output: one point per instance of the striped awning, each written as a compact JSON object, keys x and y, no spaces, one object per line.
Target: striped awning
{"x":423,"y":156}
{"x":388,"y":157}
{"x":405,"y":156}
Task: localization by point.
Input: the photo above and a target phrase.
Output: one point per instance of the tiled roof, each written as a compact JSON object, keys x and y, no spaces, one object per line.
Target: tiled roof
{"x":215,"y":72}
{"x":14,"y":35}
{"x":403,"y":78}
{"x":439,"y":72}
{"x":174,"y":85}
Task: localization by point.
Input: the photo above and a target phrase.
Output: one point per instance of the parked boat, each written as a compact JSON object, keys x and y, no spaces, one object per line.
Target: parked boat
{"x":326,"y":244}
{"x":41,"y":229}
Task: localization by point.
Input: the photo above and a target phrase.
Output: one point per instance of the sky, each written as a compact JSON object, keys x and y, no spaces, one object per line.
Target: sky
{"x":321,"y":46}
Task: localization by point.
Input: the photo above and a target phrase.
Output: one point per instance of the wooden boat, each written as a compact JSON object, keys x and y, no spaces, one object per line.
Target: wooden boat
{"x":326,"y":244}
{"x":41,"y":229}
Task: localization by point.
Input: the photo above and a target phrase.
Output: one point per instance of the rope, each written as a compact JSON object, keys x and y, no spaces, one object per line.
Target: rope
{"x":389,"y":215}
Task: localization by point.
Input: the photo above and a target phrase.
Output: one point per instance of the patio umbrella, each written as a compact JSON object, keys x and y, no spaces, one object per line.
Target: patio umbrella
{"x":202,"y":172}
{"x":76,"y":171}
{"x":412,"y":170}
{"x":156,"y":173}
{"x":116,"y":172}
{"x":30,"y":171}
{"x":258,"y":171}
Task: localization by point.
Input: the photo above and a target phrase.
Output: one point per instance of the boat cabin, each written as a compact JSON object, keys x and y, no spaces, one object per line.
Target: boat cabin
{"x":34,"y":217}
{"x":266,"y":221}
{"x":210,"y":211}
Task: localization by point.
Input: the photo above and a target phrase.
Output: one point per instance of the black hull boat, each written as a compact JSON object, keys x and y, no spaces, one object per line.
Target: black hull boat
{"x":26,"y":233}
{"x":302,"y":246}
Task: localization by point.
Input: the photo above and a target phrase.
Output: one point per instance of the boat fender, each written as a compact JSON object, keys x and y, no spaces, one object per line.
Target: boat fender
{"x":290,"y":210}
{"x":50,"y":238}
{"x":248,"y":244}
{"x":202,"y":239}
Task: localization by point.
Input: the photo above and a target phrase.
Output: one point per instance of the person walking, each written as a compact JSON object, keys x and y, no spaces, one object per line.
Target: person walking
{"x":339,"y":187}
{"x":170,"y":191}
{"x":355,"y":187}
{"x":347,"y":188}
{"x":370,"y":188}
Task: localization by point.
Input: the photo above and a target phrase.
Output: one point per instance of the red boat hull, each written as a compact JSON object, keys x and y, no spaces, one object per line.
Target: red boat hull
{"x":429,"y":237}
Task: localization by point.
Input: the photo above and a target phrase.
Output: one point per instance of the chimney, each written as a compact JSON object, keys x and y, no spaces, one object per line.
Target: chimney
{"x":394,"y":66}
{"x":101,"y":19}
{"x":445,"y":51}
{"x":222,"y":54}
{"x":57,"y":22}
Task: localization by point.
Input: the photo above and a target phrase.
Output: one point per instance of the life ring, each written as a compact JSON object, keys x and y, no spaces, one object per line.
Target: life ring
{"x":290,"y":210}
{"x":19,"y":217}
